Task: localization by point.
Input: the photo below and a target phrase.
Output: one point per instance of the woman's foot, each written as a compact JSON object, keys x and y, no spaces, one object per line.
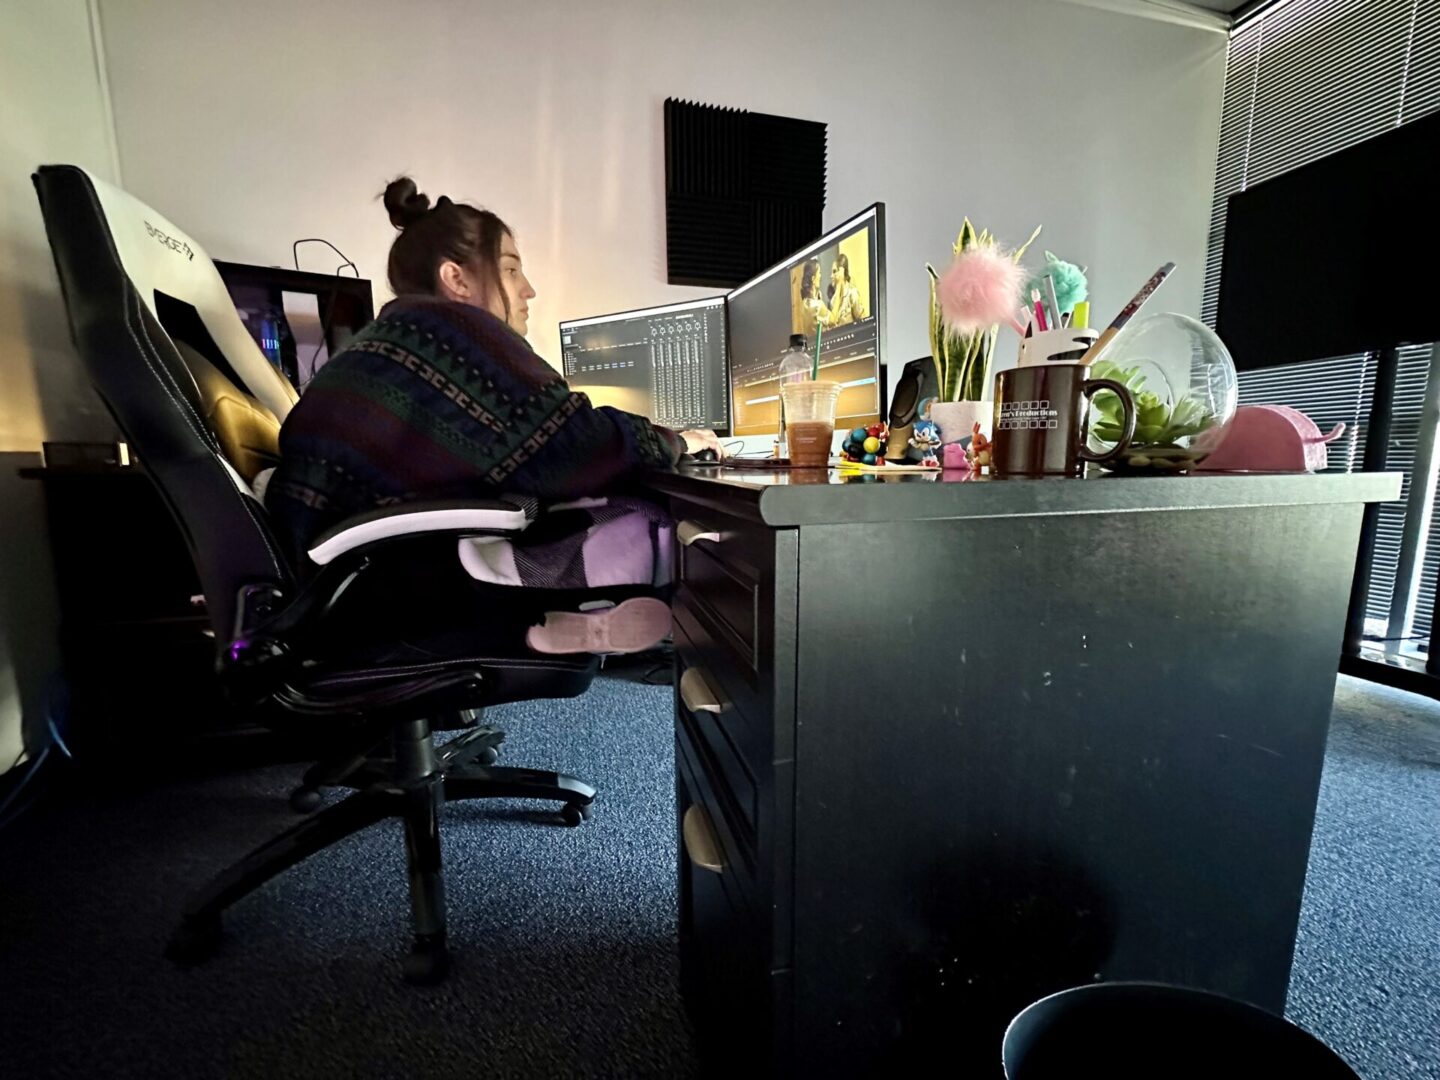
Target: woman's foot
{"x":630,"y":626}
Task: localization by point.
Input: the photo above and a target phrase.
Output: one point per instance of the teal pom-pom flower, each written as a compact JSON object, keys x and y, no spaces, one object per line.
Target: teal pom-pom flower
{"x":1070,"y":284}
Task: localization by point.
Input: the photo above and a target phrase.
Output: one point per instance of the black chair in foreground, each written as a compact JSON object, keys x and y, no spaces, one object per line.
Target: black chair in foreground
{"x":374,"y":641}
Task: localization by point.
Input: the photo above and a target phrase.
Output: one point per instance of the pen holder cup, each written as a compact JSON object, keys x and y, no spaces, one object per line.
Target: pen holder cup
{"x":1063,"y":346}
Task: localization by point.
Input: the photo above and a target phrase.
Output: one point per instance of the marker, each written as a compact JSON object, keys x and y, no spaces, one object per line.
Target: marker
{"x":1126,"y":313}
{"x":1081,"y":319}
{"x":1040,"y":324}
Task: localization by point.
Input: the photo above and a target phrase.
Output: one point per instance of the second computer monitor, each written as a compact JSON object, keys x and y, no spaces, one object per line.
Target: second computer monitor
{"x":837,"y":282}
{"x":666,"y":363}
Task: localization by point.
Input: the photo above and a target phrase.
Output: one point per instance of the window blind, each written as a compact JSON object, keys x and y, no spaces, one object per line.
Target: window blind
{"x":1313,"y":77}
{"x":1303,"y":81}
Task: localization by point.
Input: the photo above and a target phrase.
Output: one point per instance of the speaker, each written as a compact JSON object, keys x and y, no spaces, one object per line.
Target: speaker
{"x":918,"y":385}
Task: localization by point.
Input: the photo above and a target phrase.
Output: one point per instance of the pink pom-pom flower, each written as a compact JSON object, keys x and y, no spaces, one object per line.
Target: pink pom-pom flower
{"x":979,"y":290}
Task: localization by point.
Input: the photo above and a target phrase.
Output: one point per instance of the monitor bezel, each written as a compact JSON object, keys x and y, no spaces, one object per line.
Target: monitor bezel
{"x":657,"y":309}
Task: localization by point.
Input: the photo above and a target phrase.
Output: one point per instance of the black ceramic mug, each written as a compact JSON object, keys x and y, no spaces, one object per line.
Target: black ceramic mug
{"x":1042,"y":419}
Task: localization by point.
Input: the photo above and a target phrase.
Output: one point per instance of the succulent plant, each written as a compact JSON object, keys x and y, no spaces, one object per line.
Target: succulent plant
{"x":1157,"y":422}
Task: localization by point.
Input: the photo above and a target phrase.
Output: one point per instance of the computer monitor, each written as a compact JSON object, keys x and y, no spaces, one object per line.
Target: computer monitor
{"x":839,"y":281}
{"x":666,"y":363}
{"x":298,"y":319}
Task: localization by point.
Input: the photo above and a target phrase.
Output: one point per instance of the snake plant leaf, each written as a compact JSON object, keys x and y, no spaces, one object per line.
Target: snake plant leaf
{"x":967,"y":238}
{"x":1020,"y":251}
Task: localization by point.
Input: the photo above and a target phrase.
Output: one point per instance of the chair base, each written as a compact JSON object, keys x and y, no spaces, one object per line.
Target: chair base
{"x":411,"y":784}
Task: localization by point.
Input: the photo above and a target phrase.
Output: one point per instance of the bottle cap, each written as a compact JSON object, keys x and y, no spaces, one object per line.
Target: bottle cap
{"x":797,"y":341}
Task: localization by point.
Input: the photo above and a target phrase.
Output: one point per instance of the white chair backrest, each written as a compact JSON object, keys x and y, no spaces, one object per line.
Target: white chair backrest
{"x":159,"y":255}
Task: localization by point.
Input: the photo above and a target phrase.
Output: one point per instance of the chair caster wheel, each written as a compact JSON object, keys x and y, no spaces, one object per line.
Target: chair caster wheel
{"x":194,"y":941}
{"x":572,"y":814}
{"x":306,"y":800}
{"x":488,"y":756}
{"x":428,"y":962}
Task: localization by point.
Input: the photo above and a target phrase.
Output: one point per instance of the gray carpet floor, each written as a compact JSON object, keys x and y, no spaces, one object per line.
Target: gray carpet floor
{"x":565,"y":939}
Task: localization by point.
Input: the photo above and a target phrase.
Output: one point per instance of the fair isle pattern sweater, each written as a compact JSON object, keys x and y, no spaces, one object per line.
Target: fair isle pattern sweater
{"x":439,"y":400}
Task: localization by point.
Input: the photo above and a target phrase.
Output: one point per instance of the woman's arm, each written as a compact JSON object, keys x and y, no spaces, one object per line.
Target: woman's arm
{"x":563,"y":445}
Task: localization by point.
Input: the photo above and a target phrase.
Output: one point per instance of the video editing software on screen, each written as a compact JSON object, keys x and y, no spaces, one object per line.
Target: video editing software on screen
{"x":666,"y":363}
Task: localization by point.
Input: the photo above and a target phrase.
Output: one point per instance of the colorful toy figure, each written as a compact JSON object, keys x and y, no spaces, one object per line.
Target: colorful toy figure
{"x":866,"y":445}
{"x":971,"y":453}
{"x":978,"y":450}
{"x":926,"y":438}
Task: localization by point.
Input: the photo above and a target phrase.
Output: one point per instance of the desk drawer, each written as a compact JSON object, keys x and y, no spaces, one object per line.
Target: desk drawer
{"x":703,"y":711}
{"x":746,"y":694}
{"x":737,"y":1001}
{"x":724,"y":564}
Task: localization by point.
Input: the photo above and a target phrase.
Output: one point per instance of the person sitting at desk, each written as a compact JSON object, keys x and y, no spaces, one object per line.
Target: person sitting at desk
{"x":441,"y":397}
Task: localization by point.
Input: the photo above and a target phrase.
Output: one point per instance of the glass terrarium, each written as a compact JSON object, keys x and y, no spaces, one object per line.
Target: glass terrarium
{"x":1183,"y":382}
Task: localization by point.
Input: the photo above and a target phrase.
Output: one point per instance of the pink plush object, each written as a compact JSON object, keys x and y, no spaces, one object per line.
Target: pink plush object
{"x":979,"y":290}
{"x":1268,"y":438}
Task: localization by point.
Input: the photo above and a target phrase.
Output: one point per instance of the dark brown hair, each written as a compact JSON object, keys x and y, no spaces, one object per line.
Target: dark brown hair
{"x":445,"y":232}
{"x":809,"y":278}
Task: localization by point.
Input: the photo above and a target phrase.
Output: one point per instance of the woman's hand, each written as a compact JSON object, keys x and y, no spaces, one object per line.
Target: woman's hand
{"x":702,"y":439}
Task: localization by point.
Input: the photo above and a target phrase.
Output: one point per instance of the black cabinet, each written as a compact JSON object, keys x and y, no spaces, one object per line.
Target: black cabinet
{"x":945,"y":748}
{"x":136,"y":644}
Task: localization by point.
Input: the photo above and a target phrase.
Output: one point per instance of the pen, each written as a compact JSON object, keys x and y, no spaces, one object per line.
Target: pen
{"x":1040,"y":324}
{"x":1103,"y":341}
{"x":1054,"y":300}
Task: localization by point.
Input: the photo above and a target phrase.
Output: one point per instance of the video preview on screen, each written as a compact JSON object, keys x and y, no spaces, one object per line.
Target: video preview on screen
{"x":834,"y":284}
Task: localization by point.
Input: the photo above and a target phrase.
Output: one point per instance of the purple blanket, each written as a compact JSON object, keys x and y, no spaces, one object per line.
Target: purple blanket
{"x":582,"y":544}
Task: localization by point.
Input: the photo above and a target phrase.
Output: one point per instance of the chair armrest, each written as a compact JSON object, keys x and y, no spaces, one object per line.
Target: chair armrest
{"x":462,"y":517}
{"x":273,"y":631}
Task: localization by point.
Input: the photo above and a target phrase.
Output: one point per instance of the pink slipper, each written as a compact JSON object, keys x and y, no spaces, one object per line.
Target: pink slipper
{"x":630,"y":626}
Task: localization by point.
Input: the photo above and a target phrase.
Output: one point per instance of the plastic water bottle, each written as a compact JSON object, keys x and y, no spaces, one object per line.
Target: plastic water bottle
{"x":795,"y":361}
{"x":794,"y":367}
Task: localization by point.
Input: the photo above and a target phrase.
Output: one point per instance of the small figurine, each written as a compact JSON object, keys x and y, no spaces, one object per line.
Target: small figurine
{"x":866,"y":445}
{"x":926,"y":438}
{"x":979,"y":450}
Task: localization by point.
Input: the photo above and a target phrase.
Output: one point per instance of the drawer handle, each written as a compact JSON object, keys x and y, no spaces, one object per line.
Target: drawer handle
{"x":690,"y":531}
{"x":701,"y":843}
{"x":695,"y":692}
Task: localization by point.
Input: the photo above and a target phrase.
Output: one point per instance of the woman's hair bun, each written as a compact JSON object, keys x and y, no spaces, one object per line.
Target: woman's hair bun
{"x":404,"y":202}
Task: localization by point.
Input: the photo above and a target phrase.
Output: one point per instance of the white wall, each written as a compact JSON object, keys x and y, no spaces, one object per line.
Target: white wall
{"x":51,"y":109}
{"x":254,"y":124}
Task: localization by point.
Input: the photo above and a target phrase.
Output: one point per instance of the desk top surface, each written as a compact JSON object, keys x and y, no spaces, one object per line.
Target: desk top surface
{"x":818,"y":497}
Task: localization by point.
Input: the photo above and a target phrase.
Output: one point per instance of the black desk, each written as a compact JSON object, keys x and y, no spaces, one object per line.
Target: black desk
{"x":948,"y":747}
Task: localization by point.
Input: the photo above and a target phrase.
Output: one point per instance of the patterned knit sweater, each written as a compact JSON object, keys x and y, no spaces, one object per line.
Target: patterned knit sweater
{"x":438,"y":400}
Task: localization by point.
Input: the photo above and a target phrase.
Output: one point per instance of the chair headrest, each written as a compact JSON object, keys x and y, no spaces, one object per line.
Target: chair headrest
{"x":157,"y":255}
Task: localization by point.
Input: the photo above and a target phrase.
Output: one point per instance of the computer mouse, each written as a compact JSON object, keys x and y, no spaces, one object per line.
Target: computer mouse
{"x":701,"y":457}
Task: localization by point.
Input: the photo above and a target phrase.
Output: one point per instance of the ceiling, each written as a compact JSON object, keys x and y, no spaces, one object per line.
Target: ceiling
{"x":1229,"y":7}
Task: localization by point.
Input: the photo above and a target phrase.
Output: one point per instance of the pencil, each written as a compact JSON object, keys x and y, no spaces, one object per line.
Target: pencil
{"x":1126,"y":313}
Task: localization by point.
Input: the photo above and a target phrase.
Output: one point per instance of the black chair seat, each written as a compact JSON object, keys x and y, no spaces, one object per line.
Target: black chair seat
{"x":503,"y":679}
